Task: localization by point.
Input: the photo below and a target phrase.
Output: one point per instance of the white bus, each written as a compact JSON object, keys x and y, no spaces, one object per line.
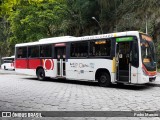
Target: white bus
{"x":8,"y":63}
{"x":123,"y":57}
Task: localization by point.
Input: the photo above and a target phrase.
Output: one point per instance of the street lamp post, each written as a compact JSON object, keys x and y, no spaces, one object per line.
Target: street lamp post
{"x":98,"y":24}
{"x":146,"y":24}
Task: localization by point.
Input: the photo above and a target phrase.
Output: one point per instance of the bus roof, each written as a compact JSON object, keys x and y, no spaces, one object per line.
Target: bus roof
{"x":56,"y":38}
{"x":64,"y":39}
{"x":8,"y":57}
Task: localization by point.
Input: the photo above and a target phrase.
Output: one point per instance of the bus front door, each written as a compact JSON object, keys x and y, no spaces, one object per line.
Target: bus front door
{"x":61,"y":63}
{"x":123,"y":62}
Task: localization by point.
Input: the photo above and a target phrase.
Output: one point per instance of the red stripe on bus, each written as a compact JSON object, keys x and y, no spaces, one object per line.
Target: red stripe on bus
{"x":34,"y":63}
{"x":21,"y":63}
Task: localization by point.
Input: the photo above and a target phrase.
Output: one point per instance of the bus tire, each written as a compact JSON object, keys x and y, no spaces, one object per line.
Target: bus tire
{"x":104,"y":79}
{"x":40,"y":74}
{"x":5,"y":68}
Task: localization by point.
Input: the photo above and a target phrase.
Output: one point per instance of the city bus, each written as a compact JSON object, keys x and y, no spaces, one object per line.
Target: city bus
{"x":122,"y":57}
{"x":7,"y":63}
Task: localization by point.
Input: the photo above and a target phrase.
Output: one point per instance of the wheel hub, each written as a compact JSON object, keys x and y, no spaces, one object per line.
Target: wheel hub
{"x":103,"y":79}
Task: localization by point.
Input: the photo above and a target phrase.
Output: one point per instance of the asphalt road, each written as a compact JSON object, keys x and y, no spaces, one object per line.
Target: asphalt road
{"x":26,"y":93}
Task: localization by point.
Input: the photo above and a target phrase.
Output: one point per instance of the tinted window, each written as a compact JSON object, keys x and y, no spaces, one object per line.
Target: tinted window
{"x":33,"y":51}
{"x":22,"y":52}
{"x":7,"y":61}
{"x":100,"y":48}
{"x":79,"y":49}
{"x":135,"y":55}
{"x":46,"y":51}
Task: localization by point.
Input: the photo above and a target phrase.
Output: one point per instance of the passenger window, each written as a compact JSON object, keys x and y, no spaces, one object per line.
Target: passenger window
{"x":46,"y":51}
{"x":100,"y":47}
{"x":79,"y":49}
{"x":135,"y":55}
{"x":33,"y":51}
{"x":22,"y":52}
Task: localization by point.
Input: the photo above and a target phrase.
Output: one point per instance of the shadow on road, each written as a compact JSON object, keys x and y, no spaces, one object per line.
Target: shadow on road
{"x":88,"y":83}
{"x":91,"y":83}
{"x":152,"y":85}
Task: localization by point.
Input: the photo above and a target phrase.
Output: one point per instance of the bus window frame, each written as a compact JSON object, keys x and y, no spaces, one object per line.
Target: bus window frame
{"x":16,"y":55}
{"x":52,"y":50}
{"x":70,"y":44}
{"x":112,"y":51}
{"x":111,"y":48}
{"x":29,"y":49}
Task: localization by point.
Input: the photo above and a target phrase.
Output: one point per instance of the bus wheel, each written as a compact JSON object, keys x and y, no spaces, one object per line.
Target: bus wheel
{"x":104,"y":80}
{"x":40,"y":74}
{"x":5,"y":68}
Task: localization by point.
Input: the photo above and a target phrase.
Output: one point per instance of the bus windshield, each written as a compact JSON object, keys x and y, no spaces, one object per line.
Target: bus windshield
{"x":148,"y":53}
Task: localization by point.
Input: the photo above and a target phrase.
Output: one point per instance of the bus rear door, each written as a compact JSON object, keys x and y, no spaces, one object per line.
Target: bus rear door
{"x":61,"y":60}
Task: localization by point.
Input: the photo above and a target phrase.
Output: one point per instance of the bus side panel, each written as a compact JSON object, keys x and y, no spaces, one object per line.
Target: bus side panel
{"x":10,"y":66}
{"x":34,"y":63}
{"x":85,"y":69}
{"x":7,"y":66}
{"x":21,"y":63}
{"x":101,"y":64}
{"x":72,"y":69}
{"x":134,"y":75}
{"x":50,"y":67}
{"x":142,"y":78}
{"x":26,"y":71}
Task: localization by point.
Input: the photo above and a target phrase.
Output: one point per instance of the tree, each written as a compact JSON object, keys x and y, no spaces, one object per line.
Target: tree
{"x":79,"y":17}
{"x":36,"y":20}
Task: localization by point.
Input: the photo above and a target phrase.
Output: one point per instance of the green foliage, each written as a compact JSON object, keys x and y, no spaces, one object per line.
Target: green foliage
{"x":79,"y":16}
{"x":36,"y":21}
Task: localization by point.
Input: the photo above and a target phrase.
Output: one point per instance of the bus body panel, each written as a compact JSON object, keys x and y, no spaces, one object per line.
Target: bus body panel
{"x":31,"y":65}
{"x":134,"y":75}
{"x":34,"y":63}
{"x":31,"y":72}
{"x":50,"y":67}
{"x":8,"y":63}
{"x":21,"y":63}
{"x":85,"y":69}
{"x":142,"y":78}
{"x":81,"y":69}
{"x":8,"y":66}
